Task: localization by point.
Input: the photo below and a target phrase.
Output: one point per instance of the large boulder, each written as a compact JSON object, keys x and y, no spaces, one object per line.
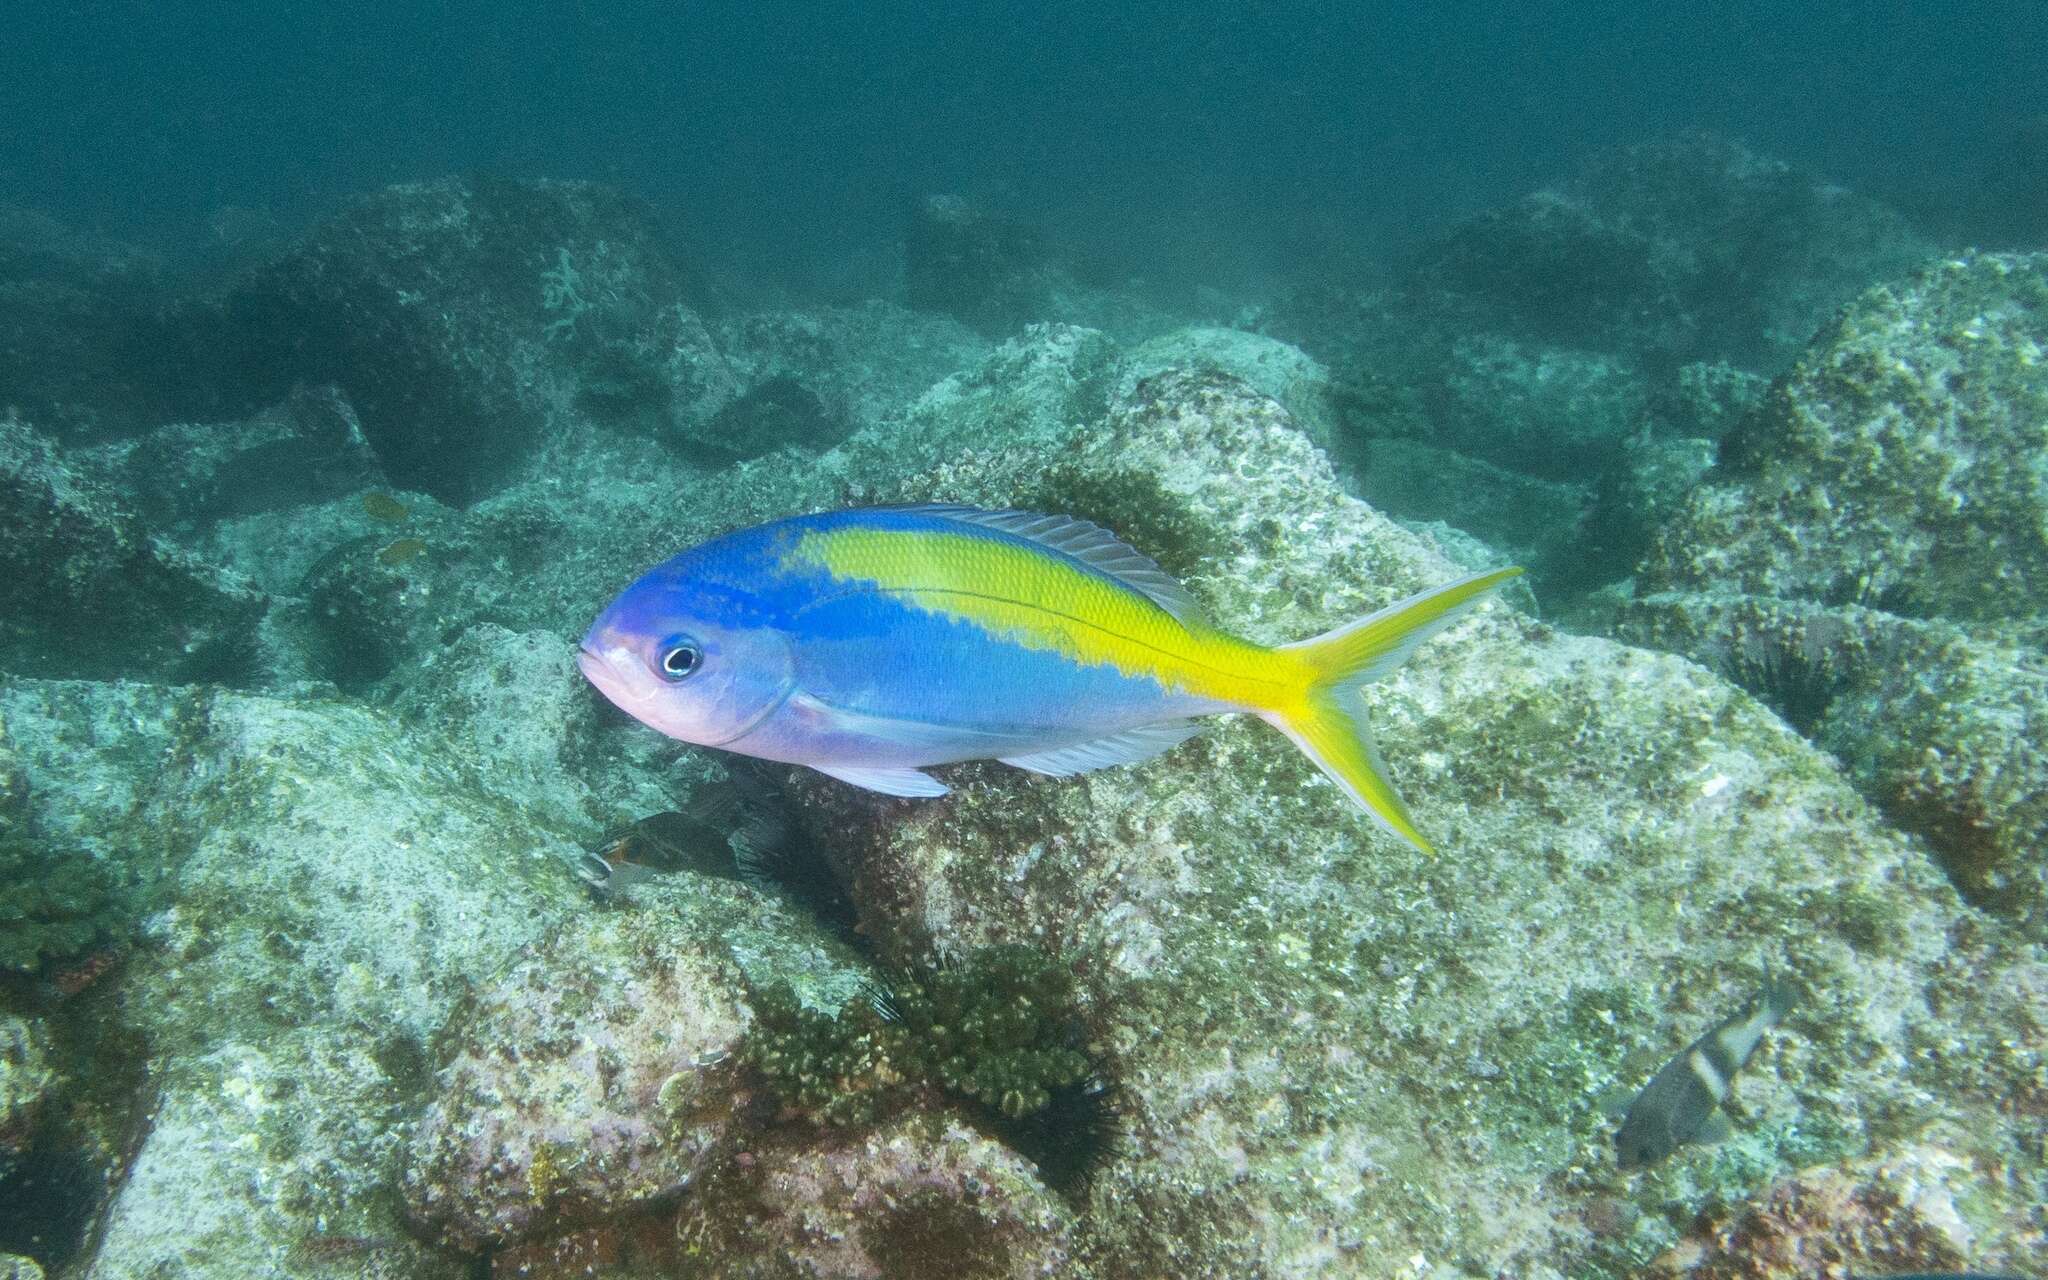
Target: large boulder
{"x":1693,"y":247}
{"x":184,"y":478}
{"x":88,"y":589}
{"x":335,"y":883}
{"x":1626,"y":310}
{"x":863,"y":363}
{"x":1928,"y":719}
{"x":1872,"y":557}
{"x":461,"y":316}
{"x":75,"y":313}
{"x":591,"y":1079}
{"x":1902,"y":463}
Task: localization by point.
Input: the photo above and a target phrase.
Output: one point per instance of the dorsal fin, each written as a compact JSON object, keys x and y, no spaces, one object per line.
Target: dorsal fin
{"x":1091,"y":544}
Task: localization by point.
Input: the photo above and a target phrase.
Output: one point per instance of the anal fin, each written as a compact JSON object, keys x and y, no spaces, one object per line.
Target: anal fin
{"x":1127,"y":747}
{"x":890,"y":782}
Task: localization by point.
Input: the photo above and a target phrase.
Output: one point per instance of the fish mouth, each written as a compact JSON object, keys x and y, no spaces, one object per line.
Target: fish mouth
{"x":607,"y":669}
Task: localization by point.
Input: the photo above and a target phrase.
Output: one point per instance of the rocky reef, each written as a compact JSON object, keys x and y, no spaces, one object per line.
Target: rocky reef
{"x":1541,"y":357}
{"x":302,"y":959}
{"x":1871,"y":551}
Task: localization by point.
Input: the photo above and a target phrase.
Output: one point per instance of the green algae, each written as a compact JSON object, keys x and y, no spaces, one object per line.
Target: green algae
{"x":998,"y":1028}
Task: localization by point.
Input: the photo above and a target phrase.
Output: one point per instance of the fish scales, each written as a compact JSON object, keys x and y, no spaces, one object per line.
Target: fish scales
{"x":1014,"y":592}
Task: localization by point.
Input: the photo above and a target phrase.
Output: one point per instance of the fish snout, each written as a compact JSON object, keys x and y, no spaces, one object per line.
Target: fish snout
{"x":612,"y":669}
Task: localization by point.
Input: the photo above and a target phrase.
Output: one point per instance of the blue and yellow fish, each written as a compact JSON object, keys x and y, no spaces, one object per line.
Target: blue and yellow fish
{"x":869,"y":644}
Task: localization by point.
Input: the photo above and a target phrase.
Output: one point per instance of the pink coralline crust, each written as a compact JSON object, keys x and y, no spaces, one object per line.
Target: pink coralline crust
{"x":923,"y":1196}
{"x":573,"y":1096}
{"x":1884,"y":1216}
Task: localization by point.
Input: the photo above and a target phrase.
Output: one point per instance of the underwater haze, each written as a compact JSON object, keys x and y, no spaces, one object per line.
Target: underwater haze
{"x":1118,"y":641}
{"x":1177,"y":138}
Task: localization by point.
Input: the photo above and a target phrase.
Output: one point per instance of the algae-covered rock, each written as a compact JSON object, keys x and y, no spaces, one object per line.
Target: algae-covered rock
{"x":1536,"y":523}
{"x":510,"y":701}
{"x":609,"y":1041}
{"x":1902,"y":462}
{"x":591,"y":1078}
{"x":60,"y":896}
{"x":185,"y":477}
{"x":1927,"y":717}
{"x":1033,"y":389}
{"x":1540,"y":333}
{"x":1267,"y":365}
{"x":1332,"y":1052}
{"x":336,"y":883}
{"x":923,"y":1198}
{"x":459,"y":316}
{"x":87,"y":589}
{"x":1900,"y":465}
{"x":26,"y":1080}
{"x":1903,"y":1213}
{"x":1644,"y":484}
{"x":1691,"y":245}
{"x":1554,"y":412}
{"x":864,"y":363}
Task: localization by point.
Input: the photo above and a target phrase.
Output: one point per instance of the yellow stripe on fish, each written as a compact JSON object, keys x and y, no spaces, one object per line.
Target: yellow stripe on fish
{"x":1017,"y":592}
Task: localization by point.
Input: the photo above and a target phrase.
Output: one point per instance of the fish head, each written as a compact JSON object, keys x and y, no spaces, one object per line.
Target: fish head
{"x":1645,"y":1136}
{"x":688,"y":660}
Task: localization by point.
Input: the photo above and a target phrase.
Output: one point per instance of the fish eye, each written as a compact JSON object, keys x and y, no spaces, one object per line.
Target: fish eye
{"x":679,"y":657}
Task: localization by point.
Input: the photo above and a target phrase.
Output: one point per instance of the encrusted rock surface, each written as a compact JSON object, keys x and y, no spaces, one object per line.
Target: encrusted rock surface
{"x":592,"y":1077}
{"x":26,"y":1078}
{"x":1903,"y":462}
{"x":462,"y":316}
{"x":1927,"y":717}
{"x":923,"y":1198}
{"x":1641,"y":298}
{"x":306,"y":449}
{"x":1872,"y":1217}
{"x":334,"y":883}
{"x":87,"y":589}
{"x":1876,"y":545}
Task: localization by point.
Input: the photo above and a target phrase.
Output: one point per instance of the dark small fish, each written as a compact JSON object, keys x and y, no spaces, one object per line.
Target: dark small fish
{"x":610,"y":873}
{"x":1682,"y":1101}
{"x":724,"y":819}
{"x":401,"y":551}
{"x":382,"y":506}
{"x":659,"y":843}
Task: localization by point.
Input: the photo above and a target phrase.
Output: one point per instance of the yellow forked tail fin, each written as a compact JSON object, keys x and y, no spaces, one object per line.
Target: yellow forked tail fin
{"x":1329,"y":723}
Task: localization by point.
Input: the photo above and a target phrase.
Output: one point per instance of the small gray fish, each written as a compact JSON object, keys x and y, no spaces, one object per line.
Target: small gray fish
{"x":1681,"y":1100}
